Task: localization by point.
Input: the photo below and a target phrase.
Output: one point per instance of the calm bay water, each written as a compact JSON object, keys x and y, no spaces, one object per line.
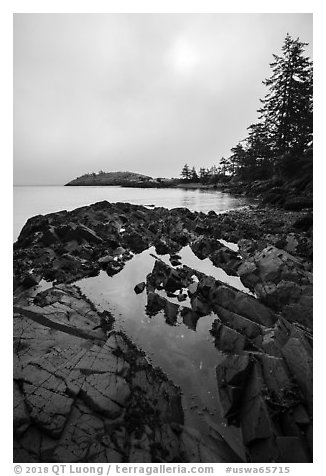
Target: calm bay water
{"x":31,"y":201}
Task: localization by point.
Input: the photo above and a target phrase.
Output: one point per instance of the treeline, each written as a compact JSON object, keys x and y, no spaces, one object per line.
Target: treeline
{"x":280,"y":142}
{"x":92,"y":174}
{"x":210,"y":175}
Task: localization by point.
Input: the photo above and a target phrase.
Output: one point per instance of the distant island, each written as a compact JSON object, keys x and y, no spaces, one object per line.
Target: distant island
{"x":125,"y":179}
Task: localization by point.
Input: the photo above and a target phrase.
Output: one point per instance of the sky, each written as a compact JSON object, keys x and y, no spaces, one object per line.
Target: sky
{"x":138,"y":92}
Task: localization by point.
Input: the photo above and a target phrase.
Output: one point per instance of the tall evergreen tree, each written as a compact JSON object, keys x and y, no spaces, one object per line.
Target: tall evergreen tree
{"x":204,"y":175}
{"x":225,"y":166}
{"x":186,"y":172}
{"x":258,"y":143}
{"x":193,"y":175}
{"x":202,"y":172}
{"x":238,"y":158}
{"x":287,"y":108}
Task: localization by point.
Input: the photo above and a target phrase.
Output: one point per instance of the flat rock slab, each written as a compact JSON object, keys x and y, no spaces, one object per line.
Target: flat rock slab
{"x":80,"y":399}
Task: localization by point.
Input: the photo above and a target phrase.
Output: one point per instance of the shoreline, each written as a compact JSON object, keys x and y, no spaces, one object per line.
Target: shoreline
{"x":288,"y":195}
{"x":254,"y":334}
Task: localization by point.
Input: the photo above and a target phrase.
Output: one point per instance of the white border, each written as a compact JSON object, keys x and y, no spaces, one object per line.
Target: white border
{"x":168,"y":6}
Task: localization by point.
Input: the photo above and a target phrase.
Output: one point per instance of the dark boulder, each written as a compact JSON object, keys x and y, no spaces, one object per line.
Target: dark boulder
{"x":226,"y":259}
{"x":298,"y":357}
{"x":200,"y":306}
{"x":227,"y":339}
{"x":175,"y":262}
{"x":114,"y":267}
{"x":162,"y":247}
{"x":276,"y":377}
{"x":136,"y":241}
{"x":181,"y":297}
{"x":104,"y":260}
{"x":255,"y":420}
{"x":31,"y":279}
{"x":171,"y":312}
{"x":139,"y":288}
{"x":173,"y":283}
{"x":49,"y":236}
{"x":190,"y":318}
{"x":231,"y":376}
{"x":155,"y":303}
{"x":79,"y":232}
{"x":239,"y":323}
{"x":203,"y":246}
{"x":243,"y":304}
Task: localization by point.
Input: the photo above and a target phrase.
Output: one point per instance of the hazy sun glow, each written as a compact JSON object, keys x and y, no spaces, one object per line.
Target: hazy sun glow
{"x":184,"y":56}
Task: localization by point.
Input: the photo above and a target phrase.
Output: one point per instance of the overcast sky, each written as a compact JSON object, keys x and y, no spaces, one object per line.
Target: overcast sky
{"x":139,"y":92}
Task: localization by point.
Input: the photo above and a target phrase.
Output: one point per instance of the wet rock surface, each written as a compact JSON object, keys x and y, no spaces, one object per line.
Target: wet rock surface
{"x":84,"y":393}
{"x":266,"y":375}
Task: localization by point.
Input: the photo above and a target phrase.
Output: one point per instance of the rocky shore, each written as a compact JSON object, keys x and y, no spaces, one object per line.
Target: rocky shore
{"x":83,"y":392}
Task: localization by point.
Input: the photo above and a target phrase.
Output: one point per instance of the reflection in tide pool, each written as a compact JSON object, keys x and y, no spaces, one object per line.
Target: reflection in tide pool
{"x":207,"y":267}
{"x":178,"y":350}
{"x":187,"y":356}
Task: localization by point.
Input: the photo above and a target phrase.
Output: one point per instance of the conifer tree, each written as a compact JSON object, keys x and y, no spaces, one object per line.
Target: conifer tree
{"x":238,"y":158}
{"x":258,"y":143}
{"x":193,"y":175}
{"x":186,"y":172}
{"x":224,"y":166}
{"x":202,"y":173}
{"x":287,"y":108}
